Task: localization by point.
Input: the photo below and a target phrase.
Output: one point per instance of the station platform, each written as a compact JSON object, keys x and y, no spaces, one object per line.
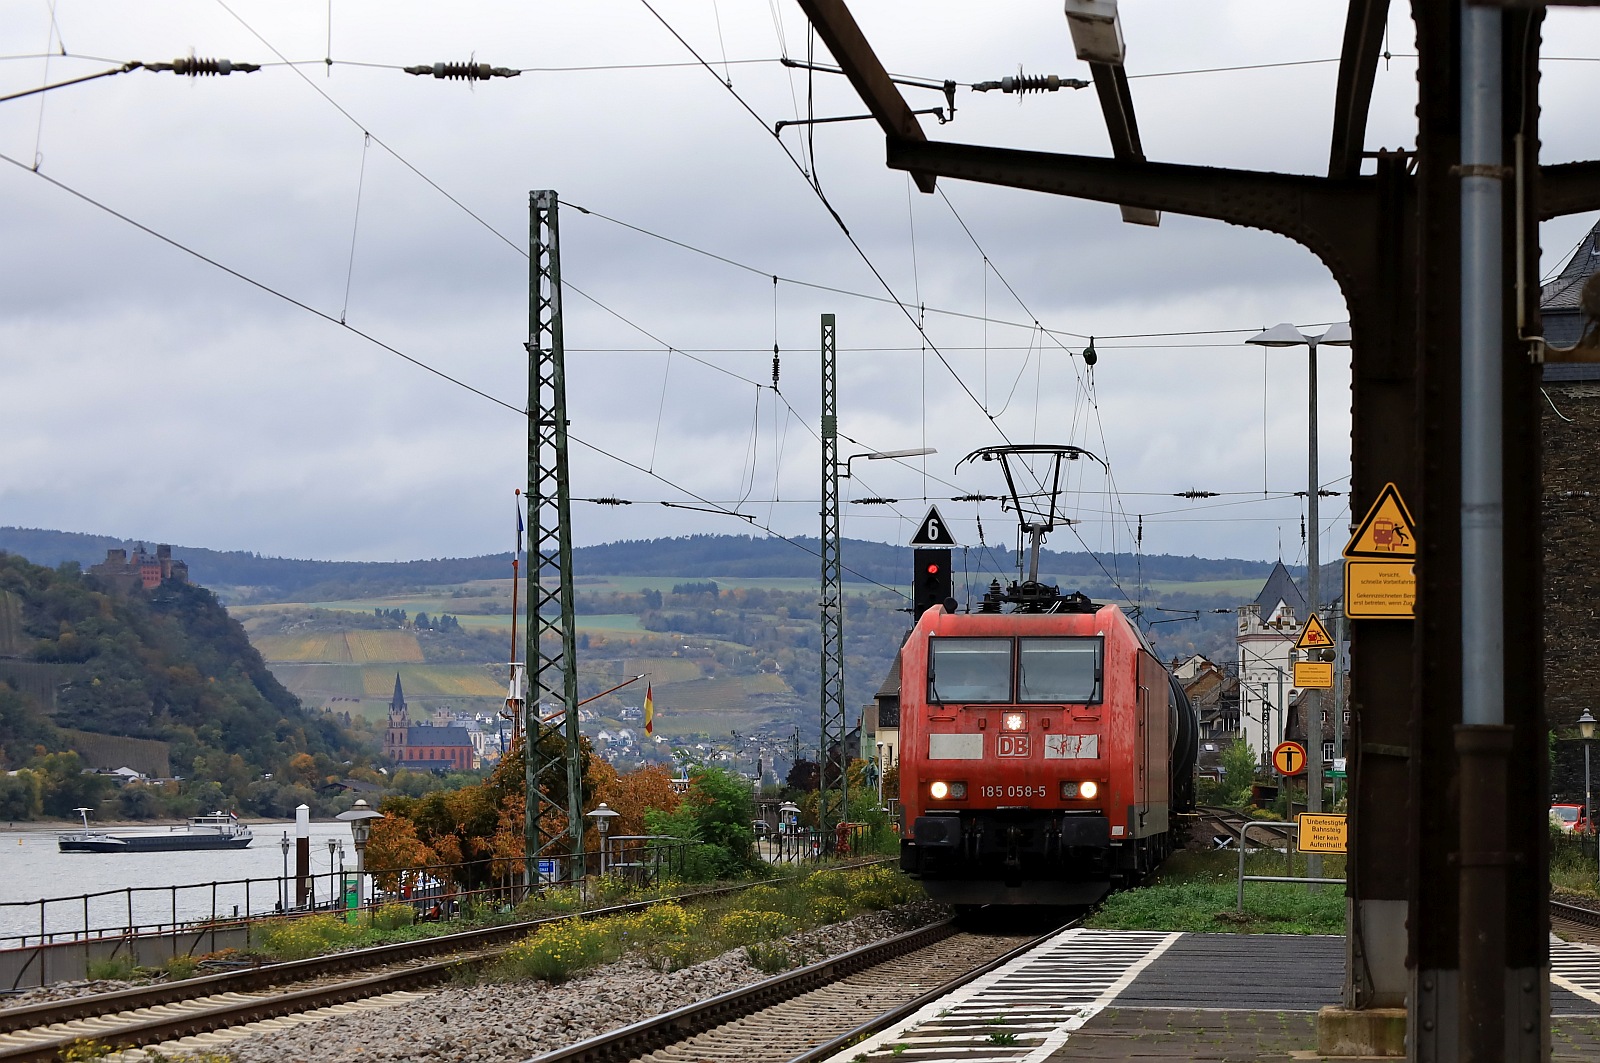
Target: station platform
{"x":1108,"y":995}
{"x":1216,"y":997}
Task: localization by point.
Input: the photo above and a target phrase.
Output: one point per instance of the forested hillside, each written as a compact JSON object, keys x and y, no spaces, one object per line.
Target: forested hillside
{"x":240,"y":577}
{"x":168,"y":665}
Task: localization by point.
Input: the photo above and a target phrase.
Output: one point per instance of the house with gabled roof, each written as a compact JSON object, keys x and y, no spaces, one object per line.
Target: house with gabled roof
{"x":1570,"y":309}
{"x":1269,"y":627}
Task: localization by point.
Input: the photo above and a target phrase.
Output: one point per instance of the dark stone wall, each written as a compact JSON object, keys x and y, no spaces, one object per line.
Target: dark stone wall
{"x":1571,"y":426}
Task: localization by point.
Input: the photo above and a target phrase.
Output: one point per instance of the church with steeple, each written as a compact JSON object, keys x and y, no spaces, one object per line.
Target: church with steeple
{"x":424,"y":747}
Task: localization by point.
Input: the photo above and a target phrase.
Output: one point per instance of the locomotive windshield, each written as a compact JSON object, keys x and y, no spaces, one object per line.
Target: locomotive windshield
{"x":1065,"y":670}
{"x":969,"y":669}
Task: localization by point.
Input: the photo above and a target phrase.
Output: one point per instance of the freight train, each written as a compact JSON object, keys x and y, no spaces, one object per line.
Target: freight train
{"x":1046,"y":754}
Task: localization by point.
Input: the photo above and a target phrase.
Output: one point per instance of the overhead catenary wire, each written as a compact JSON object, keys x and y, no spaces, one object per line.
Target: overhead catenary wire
{"x":419,"y":363}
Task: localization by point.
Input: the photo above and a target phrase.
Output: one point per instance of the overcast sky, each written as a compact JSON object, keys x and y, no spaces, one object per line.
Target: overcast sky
{"x":146,"y":393}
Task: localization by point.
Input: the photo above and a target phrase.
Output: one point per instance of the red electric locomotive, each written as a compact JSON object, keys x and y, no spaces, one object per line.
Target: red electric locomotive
{"x":1045,"y":752}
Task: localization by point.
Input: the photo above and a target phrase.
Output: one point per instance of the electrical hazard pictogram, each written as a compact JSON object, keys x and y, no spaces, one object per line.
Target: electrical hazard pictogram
{"x":1289,"y":758}
{"x":1314,"y":637}
{"x":1387,"y":531}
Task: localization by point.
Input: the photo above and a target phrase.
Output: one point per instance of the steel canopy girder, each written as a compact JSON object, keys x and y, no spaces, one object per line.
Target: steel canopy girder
{"x":843,"y":37}
{"x":1567,"y":188}
{"x":1323,"y":214}
{"x":1358,"y":67}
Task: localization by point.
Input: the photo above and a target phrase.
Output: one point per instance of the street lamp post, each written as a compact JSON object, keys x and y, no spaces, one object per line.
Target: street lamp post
{"x":283,"y":883}
{"x":360,"y":818}
{"x":788,"y":816}
{"x":333,"y":843}
{"x":1286,"y":335}
{"x":602,"y":816}
{"x":1586,"y":728}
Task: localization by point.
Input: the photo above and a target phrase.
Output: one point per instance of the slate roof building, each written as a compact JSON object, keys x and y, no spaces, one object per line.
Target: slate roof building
{"x":425,"y":747}
{"x":1566,"y":320}
{"x":1269,"y":627}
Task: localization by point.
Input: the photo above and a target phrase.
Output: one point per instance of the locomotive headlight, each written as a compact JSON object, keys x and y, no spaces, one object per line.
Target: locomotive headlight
{"x":1088,"y":789}
{"x":943,"y":790}
{"x":1014,"y":721}
{"x":1085,"y":789}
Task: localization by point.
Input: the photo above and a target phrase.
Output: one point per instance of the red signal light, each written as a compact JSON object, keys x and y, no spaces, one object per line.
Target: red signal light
{"x":933,"y":570}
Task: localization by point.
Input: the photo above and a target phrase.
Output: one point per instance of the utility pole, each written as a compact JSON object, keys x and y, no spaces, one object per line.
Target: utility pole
{"x":550,"y":734}
{"x":829,"y":811}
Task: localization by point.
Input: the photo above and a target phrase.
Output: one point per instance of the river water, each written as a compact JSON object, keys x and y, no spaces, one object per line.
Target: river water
{"x":32,"y":869}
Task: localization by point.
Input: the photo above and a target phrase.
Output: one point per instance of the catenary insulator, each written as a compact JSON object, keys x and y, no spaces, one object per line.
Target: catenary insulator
{"x":464,"y":71}
{"x":193,"y":67}
{"x":1025,"y":83}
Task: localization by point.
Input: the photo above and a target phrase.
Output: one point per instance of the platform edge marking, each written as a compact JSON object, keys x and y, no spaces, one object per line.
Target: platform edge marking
{"x":1072,"y":1025}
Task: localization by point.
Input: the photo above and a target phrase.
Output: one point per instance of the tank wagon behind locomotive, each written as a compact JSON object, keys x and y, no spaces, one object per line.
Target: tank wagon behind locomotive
{"x":1044,"y":755}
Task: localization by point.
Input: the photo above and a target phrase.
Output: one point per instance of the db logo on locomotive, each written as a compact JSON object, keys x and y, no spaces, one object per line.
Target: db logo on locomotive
{"x":1012,"y":745}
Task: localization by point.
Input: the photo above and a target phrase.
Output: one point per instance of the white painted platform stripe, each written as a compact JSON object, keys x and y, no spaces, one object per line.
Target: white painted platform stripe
{"x":1576,"y":968}
{"x":1037,"y":999}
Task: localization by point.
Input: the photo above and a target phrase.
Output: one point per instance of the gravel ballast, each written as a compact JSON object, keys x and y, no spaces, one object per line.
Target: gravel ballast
{"x":495,"y":1022}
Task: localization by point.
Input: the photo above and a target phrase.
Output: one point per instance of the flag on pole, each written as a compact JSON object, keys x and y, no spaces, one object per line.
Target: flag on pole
{"x":649,"y":710}
{"x":519,"y":528}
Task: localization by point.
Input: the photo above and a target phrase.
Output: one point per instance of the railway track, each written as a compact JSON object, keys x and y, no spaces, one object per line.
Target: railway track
{"x":812,"y":1012}
{"x":1215,"y":823}
{"x":151,"y":1015}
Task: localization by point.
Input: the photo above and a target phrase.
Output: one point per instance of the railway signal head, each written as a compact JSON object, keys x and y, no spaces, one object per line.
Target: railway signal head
{"x":930,"y":580}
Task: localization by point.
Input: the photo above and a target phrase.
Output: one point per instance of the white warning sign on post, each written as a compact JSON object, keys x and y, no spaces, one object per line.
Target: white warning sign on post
{"x":933,"y":531}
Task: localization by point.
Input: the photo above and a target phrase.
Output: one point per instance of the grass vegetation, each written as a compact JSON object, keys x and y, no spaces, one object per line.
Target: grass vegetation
{"x":754,"y":919}
{"x":112,"y":969}
{"x":1572,"y":865}
{"x":1198,"y":892}
{"x":670,"y":935}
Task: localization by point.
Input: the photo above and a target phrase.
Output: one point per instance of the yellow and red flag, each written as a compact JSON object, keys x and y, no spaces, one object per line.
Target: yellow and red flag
{"x":649,"y":710}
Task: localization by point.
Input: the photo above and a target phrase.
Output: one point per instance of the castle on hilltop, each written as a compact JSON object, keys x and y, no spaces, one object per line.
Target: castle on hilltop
{"x":143,"y":569}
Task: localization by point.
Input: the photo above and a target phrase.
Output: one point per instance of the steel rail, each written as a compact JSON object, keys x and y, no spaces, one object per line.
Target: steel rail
{"x":1575,"y":914}
{"x":648,"y":1035}
{"x":469,"y":946}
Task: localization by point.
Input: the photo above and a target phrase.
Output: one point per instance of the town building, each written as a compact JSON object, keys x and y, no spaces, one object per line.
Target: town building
{"x":425,"y":747}
{"x":1268,"y":629}
{"x":1214,"y":692}
{"x":139,"y":569}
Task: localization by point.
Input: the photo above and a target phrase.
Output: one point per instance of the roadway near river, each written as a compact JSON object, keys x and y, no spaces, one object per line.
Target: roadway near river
{"x":32,"y":868}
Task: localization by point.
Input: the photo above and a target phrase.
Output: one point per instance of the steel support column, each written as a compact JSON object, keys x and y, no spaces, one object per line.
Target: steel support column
{"x":832,"y":808}
{"x":552,"y":755}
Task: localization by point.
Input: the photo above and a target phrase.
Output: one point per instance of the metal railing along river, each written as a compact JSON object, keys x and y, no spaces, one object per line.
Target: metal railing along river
{"x":199,"y":918}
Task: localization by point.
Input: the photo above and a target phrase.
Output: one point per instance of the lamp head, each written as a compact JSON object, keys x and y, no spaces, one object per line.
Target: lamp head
{"x":1338,"y":335}
{"x":1586,"y":725}
{"x":1282,"y":334}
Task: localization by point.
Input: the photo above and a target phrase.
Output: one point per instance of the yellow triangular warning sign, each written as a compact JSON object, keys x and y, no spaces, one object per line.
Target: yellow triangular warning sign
{"x":1386,"y":532}
{"x":1314,"y":637}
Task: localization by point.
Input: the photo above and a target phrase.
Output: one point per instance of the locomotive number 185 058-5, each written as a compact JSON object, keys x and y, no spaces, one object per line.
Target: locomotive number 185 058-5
{"x":1012,"y":791}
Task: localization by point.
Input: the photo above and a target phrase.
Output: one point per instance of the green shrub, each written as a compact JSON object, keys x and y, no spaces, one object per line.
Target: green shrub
{"x":877,"y":888}
{"x":180,"y":967}
{"x":830,"y":909}
{"x":744,"y":927}
{"x":556,"y":952}
{"x":312,"y":935}
{"x":768,"y":958}
{"x":115,"y":968}
{"x":393,"y":916}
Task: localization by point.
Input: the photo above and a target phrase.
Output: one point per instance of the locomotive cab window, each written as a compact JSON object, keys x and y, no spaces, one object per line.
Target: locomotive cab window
{"x":1059,"y":670}
{"x":961,"y":669}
